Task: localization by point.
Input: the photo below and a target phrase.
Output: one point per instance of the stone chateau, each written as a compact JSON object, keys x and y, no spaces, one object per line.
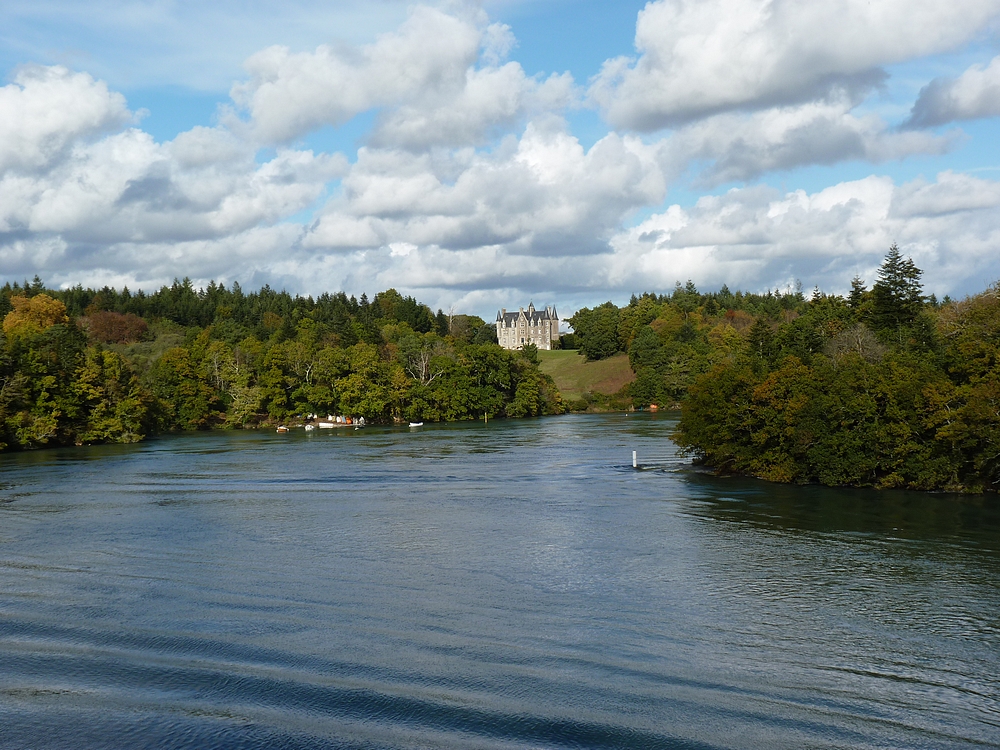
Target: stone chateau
{"x":531,"y":326}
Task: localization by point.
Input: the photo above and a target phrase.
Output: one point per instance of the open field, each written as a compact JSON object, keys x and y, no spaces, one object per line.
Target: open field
{"x":574,"y":375}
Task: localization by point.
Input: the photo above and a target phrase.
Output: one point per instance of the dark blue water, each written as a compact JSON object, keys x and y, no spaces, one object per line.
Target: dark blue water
{"x":511,"y":585}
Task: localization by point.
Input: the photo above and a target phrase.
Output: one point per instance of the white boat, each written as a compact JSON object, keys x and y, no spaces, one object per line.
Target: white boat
{"x":416,"y":424}
{"x":326,"y":425}
{"x":310,"y":427}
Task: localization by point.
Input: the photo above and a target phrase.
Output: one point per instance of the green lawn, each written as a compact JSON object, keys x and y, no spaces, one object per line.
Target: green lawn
{"x":574,"y":375}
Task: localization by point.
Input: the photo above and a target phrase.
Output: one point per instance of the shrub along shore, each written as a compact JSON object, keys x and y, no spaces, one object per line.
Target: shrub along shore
{"x":885,"y":387}
{"x":82,"y":366}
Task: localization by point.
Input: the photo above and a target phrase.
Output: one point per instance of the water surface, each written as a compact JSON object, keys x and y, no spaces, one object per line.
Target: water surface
{"x":510,"y":585}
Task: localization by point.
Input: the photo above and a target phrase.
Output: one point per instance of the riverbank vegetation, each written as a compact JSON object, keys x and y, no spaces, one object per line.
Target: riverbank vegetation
{"x":87,"y":366}
{"x":884,"y":387}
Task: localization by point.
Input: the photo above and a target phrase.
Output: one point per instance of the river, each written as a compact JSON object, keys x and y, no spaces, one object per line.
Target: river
{"x":515,"y":584}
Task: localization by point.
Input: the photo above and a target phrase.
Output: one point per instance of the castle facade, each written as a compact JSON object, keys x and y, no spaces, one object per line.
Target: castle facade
{"x":531,"y":326}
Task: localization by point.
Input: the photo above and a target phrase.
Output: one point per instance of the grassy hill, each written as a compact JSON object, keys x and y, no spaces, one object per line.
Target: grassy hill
{"x":574,"y":375}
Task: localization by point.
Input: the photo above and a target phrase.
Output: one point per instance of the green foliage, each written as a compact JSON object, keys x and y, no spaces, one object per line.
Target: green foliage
{"x":568,"y":341}
{"x":530,"y":352}
{"x":597,"y":330}
{"x":187,"y":359}
{"x":646,"y":350}
{"x":441,"y":323}
{"x":858,"y":293}
{"x":819,"y":397}
{"x":470,"y":329}
{"x":761,"y":341}
{"x":805,"y":336}
{"x":897,"y":295}
{"x":43,"y":409}
{"x":186,"y":400}
{"x":883,"y":388}
{"x":56,"y":390}
{"x":648,"y":388}
{"x":114,"y":407}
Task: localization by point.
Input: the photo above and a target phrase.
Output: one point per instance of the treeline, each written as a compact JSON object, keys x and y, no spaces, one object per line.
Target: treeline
{"x":671,"y":339}
{"x":86,"y":366}
{"x":238,"y":314}
{"x":884,"y":387}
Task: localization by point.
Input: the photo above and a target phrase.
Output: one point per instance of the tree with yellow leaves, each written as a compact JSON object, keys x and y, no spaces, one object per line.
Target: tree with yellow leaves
{"x":33,"y":315}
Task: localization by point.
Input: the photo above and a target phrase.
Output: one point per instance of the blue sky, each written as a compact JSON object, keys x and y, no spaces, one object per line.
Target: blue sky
{"x":508,"y":150}
{"x":552,"y":36}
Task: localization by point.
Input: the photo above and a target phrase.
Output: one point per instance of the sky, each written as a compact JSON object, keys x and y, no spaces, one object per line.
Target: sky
{"x":480,"y":155}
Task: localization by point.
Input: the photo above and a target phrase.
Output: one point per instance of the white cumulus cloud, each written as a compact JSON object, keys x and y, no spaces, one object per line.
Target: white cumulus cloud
{"x":472,"y":186}
{"x":700,"y":57}
{"x":758,"y":237}
{"x":128,"y":187}
{"x":76,"y":181}
{"x":488,"y":103}
{"x":46,"y":109}
{"x":439,"y":80}
{"x":974,"y":94}
{"x":291,"y":94}
{"x":540,"y":194}
{"x":740,"y":147}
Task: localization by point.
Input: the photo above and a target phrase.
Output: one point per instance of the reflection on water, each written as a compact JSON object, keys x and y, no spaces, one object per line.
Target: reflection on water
{"x":515,"y":584}
{"x":892,"y":514}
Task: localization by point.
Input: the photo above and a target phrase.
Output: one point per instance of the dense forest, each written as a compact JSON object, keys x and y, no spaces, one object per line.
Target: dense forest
{"x":884,"y":387}
{"x":87,"y":366}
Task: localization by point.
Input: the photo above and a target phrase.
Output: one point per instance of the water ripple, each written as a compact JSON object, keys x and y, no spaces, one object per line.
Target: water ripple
{"x":516,"y":585}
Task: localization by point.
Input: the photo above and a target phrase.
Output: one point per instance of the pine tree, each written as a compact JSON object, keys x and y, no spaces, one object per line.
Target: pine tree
{"x":443,"y":324}
{"x":761,"y":339}
{"x":896,"y":296}
{"x":857,"y":294}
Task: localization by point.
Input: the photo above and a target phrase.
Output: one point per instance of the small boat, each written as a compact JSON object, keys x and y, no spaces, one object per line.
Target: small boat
{"x":416,"y":424}
{"x":310,"y":427}
{"x":282,"y":428}
{"x":326,"y":425}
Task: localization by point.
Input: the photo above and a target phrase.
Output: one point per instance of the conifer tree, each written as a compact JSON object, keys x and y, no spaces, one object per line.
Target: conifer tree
{"x":896,"y":296}
{"x":857,"y":294}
